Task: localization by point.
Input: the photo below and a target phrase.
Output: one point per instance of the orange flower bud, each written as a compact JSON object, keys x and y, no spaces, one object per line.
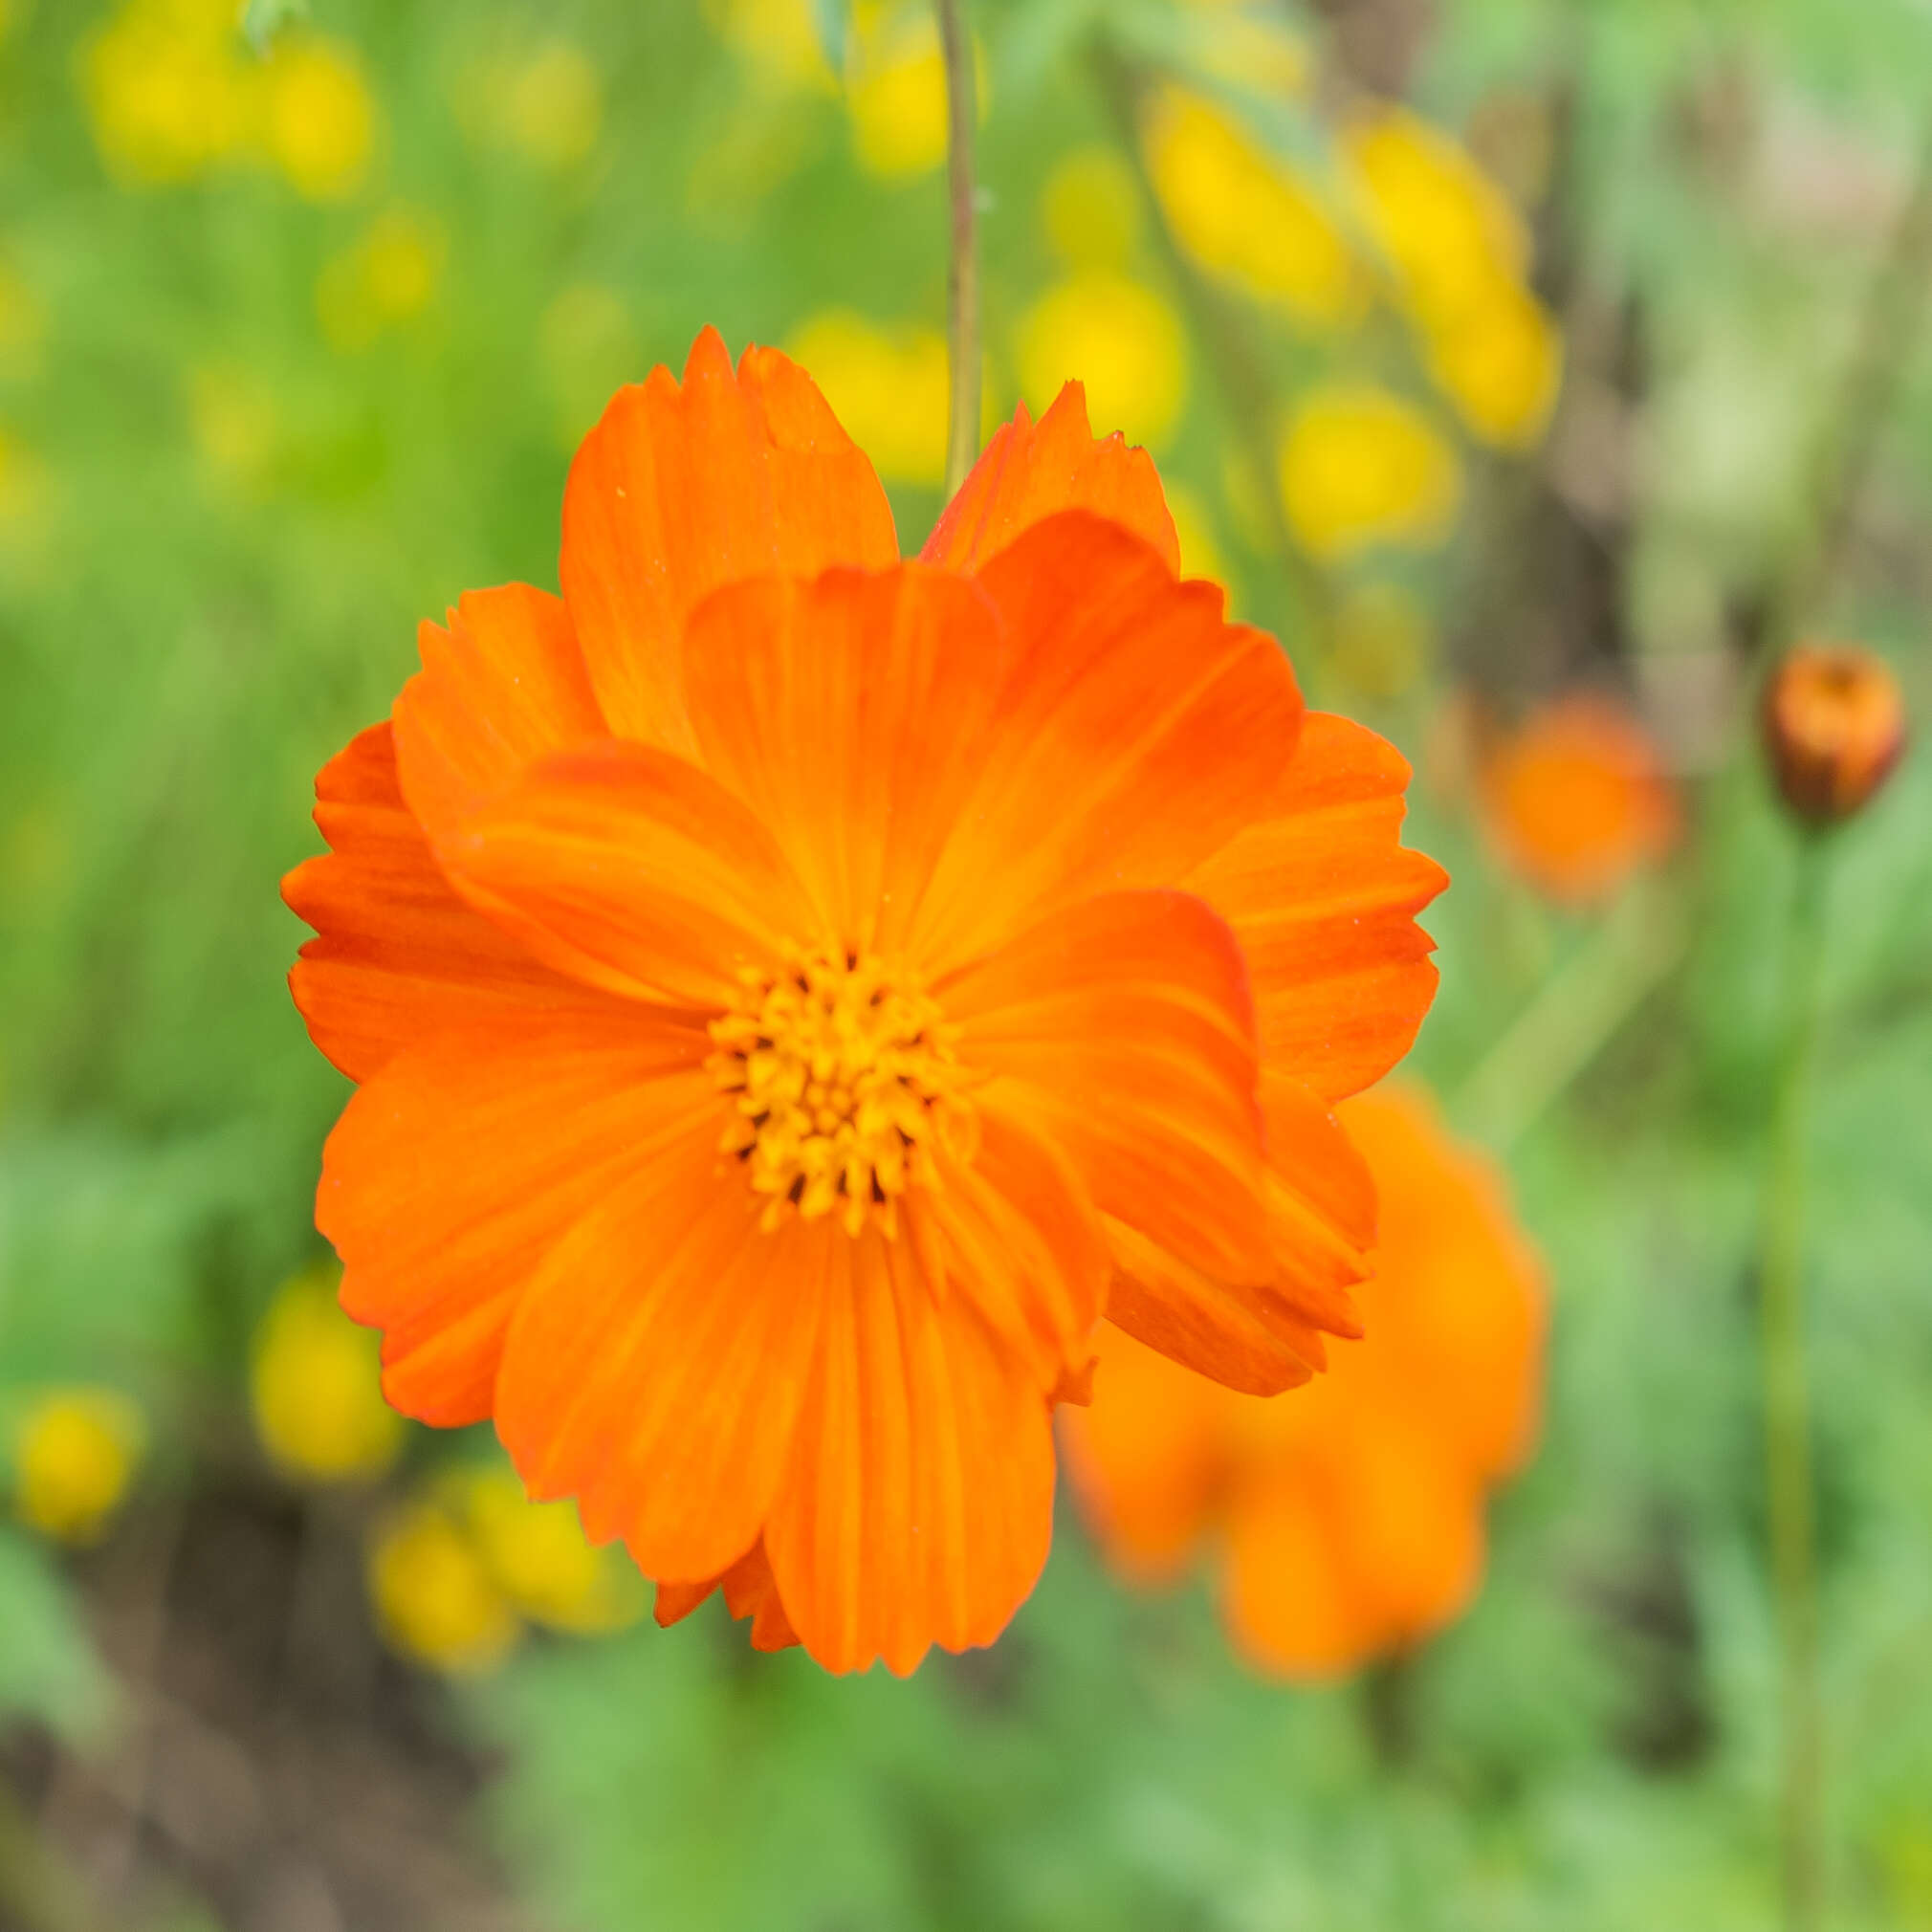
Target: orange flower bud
{"x":1833,"y":727}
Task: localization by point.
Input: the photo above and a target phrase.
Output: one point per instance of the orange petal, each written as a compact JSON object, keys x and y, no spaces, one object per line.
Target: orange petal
{"x":1263,"y":1337}
{"x":1287,"y":1591}
{"x":682,"y":488}
{"x":850,"y":715}
{"x":1030,"y":470}
{"x":1323,"y":898}
{"x":919,"y":1503}
{"x":502,"y":686}
{"x":630,"y":869}
{"x":462,"y":1163}
{"x":1147,"y":1459}
{"x":656,"y":1368}
{"x":397,"y":953}
{"x":749,"y":1591}
{"x":1014,"y":1233}
{"x":1126,"y":1025}
{"x":1137,"y":735}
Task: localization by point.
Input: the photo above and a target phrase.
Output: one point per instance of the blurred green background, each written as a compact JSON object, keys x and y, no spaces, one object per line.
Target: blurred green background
{"x":1494,"y":349}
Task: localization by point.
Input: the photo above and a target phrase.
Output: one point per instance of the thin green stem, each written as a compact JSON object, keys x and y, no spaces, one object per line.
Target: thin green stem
{"x":1573,"y":1017}
{"x":962,"y":282}
{"x":1787,"y":1411}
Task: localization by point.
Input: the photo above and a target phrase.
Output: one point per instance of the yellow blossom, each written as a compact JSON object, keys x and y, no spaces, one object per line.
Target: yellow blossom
{"x":390,"y":276}
{"x":554,"y":106}
{"x":1121,"y":340}
{"x":1499,"y":361}
{"x":779,"y":36}
{"x":169,"y":92}
{"x":541,"y":1560}
{"x":1249,"y":219}
{"x":435,"y":1599}
{"x":1449,"y":233}
{"x":1381,"y":639}
{"x":316,"y":1388}
{"x":74,"y":1452}
{"x":889,"y":388}
{"x":320,"y":119}
{"x":1091,"y":209}
{"x":1360,"y":465}
{"x":895,"y":89}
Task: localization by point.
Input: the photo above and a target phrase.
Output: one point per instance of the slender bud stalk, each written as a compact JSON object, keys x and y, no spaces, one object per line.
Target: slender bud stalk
{"x":1787,"y":1417}
{"x":963,"y":321}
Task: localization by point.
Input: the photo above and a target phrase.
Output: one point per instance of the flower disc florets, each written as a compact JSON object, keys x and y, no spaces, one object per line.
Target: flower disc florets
{"x":844,"y":1083}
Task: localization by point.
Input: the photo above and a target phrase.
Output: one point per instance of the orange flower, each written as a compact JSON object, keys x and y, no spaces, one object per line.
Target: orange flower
{"x":1578,"y":800}
{"x":795,"y":992}
{"x":1349,"y":1519}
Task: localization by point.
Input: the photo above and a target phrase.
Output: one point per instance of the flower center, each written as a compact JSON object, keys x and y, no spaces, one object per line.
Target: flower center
{"x":842,"y":1084}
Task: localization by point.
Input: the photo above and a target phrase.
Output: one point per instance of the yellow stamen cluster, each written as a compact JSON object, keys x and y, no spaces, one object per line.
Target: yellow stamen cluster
{"x":842,"y":1084}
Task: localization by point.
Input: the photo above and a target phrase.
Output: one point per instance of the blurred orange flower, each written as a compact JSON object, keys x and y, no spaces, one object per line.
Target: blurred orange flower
{"x":1578,"y":797}
{"x":1833,"y":724}
{"x":795,"y":992}
{"x":1348,"y":1521}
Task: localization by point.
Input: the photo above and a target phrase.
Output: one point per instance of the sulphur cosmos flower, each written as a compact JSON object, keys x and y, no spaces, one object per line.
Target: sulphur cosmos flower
{"x":796,"y":993}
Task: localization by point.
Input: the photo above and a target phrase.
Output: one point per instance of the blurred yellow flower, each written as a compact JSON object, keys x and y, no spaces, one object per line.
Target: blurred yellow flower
{"x":319,"y":118}
{"x":1447,"y":229}
{"x":896,"y":88}
{"x":314,"y":1385}
{"x":1253,"y":47}
{"x":435,"y":1599}
{"x":888,"y":388}
{"x":1382,"y":637}
{"x":1090,"y":209}
{"x":169,"y":92}
{"x":24,"y":485}
{"x":554,"y":106}
{"x":75,"y":1453}
{"x":778,"y":36}
{"x":1499,"y":361}
{"x":390,"y":276}
{"x":1359,"y":466}
{"x":1249,"y":219}
{"x":539,"y":1559}
{"x":1121,"y":340}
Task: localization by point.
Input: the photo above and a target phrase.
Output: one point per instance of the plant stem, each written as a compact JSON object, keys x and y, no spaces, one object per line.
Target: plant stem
{"x":1787,"y":1419}
{"x":962,"y":281}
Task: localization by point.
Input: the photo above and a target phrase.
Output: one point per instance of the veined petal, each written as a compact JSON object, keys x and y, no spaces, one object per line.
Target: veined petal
{"x":1124,"y":1023}
{"x":1137,"y":734}
{"x":1262,"y":1337}
{"x":504,"y":684}
{"x":749,"y":1591}
{"x":918,"y":1506}
{"x":1323,"y":897}
{"x":1030,"y":470}
{"x":463,"y":1162}
{"x":632,"y":870}
{"x":682,"y":488}
{"x":850,"y":715}
{"x":397,"y":954}
{"x":656,"y":1368}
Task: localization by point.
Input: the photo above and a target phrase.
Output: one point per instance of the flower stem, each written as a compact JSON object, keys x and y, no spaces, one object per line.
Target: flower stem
{"x":962,"y":281}
{"x":1787,"y":1419}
